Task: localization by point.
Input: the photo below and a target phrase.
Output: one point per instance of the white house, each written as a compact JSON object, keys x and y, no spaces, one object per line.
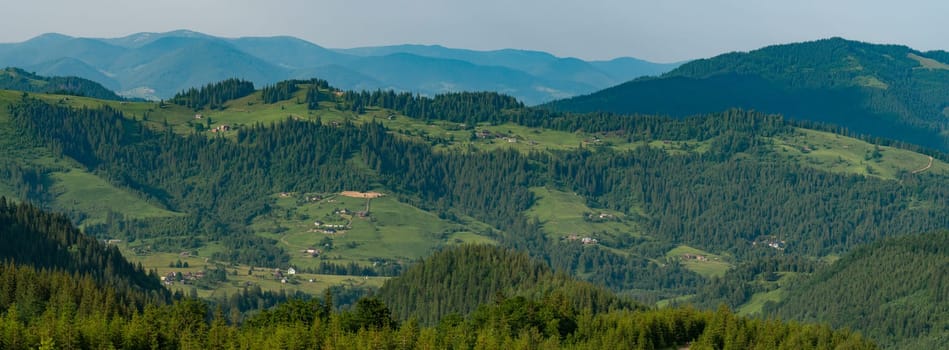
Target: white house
{"x":291,"y":271}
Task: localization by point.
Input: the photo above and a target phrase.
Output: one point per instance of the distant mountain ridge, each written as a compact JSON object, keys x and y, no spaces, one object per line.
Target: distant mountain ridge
{"x":886,"y":91}
{"x":18,"y":79}
{"x":158,"y":65}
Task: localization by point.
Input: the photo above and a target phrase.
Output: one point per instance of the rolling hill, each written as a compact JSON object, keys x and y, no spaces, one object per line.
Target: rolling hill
{"x":886,"y":91}
{"x":654,"y":208}
{"x":158,"y":65}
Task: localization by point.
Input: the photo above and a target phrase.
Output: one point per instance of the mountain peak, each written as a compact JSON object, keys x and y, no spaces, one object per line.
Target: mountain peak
{"x":48,"y":39}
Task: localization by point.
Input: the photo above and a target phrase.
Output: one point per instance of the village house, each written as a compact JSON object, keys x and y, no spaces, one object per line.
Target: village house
{"x":221,"y":128}
{"x":291,"y":271}
{"x":169,"y":278}
{"x":589,"y":241}
{"x":697,"y":257}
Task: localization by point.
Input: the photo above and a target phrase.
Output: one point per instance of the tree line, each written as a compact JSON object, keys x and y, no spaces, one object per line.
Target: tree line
{"x":213,"y":95}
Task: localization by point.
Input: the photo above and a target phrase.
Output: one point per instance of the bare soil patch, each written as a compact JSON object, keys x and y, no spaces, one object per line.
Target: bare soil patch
{"x":355,"y":194}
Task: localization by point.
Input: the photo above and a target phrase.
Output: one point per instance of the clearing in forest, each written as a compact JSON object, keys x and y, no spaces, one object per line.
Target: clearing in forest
{"x":354,"y":194}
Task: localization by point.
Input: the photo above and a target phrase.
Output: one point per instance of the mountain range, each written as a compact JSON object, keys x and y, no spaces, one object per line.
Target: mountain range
{"x":887,"y":91}
{"x":158,"y":65}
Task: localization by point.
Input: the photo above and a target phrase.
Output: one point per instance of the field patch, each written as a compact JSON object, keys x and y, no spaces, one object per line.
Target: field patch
{"x":755,"y":305}
{"x":565,"y":216}
{"x":358,"y":230}
{"x":700,"y":261}
{"x":354,"y":194}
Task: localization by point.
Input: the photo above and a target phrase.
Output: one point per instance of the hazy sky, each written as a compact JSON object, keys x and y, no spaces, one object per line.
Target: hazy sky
{"x":658,"y":30}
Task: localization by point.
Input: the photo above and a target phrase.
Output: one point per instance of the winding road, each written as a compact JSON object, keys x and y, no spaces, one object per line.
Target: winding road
{"x":917,"y":171}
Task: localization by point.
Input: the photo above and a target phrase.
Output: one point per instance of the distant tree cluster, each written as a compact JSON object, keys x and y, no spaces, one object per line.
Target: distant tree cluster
{"x":465,"y":107}
{"x":213,"y":95}
{"x":280,"y":91}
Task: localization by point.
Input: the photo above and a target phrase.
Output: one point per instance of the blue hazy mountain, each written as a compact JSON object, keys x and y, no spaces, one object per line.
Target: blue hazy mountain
{"x":166,"y":63}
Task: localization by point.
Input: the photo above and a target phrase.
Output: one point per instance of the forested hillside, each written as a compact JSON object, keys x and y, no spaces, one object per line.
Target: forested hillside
{"x":885,"y":91}
{"x":18,"y":79}
{"x":459,"y":280}
{"x":32,"y":237}
{"x":895,"y":290}
{"x":54,"y":275}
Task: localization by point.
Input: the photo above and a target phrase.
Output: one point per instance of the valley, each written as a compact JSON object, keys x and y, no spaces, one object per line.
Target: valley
{"x":227,"y":192}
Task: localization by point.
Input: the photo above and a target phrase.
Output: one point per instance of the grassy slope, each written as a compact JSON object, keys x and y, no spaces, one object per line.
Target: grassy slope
{"x":562,"y":214}
{"x":777,"y":292}
{"x":73,"y":188}
{"x":841,"y":154}
{"x":394,"y":230}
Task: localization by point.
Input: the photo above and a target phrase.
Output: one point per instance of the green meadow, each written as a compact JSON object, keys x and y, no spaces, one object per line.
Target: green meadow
{"x":775,"y":294}
{"x":706,"y":264}
{"x":840,"y":154}
{"x":563,"y":213}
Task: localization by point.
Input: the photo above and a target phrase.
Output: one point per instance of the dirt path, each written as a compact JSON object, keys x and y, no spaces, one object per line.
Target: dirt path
{"x":930,"y":165}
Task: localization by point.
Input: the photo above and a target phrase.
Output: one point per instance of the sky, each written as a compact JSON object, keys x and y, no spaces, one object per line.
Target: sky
{"x":656,"y":30}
